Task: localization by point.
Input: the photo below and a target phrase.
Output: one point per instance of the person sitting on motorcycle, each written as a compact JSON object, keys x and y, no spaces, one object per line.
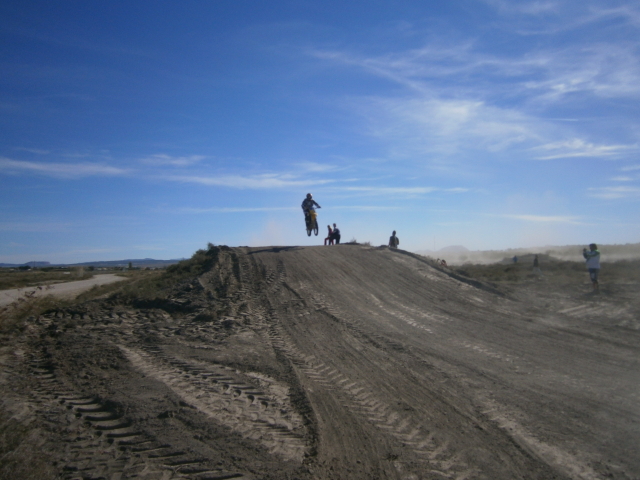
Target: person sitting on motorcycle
{"x":308,"y":204}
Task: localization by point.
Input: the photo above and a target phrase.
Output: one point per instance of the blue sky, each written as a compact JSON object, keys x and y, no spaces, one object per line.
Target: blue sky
{"x":149,"y":128}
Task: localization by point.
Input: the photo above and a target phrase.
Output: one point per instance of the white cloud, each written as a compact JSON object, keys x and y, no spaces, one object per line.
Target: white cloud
{"x":622,"y":179}
{"x":315,"y":167}
{"x":37,"y":227}
{"x":453,"y":88}
{"x":603,"y":70}
{"x":445,"y":127}
{"x":612,"y":193}
{"x":257,"y":182}
{"x":37,"y":151}
{"x":544,"y":218}
{"x":402,"y":190}
{"x":161,"y":159}
{"x":524,"y":7}
{"x":193,"y":210}
{"x":365,"y":208}
{"x":579,"y":148}
{"x":561,"y":16}
{"x":630,"y":168}
{"x":60,"y":170}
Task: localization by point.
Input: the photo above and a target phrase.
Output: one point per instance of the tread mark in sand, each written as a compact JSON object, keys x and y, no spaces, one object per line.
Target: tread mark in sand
{"x":100,"y":443}
{"x":220,"y":394}
{"x":357,"y":397}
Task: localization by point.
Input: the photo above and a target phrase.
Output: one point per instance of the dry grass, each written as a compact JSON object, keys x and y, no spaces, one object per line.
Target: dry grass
{"x":151,"y":285}
{"x":553,"y":271}
{"x":141,"y":283}
{"x":30,"y":278}
{"x":13,"y":316}
{"x":20,"y":454}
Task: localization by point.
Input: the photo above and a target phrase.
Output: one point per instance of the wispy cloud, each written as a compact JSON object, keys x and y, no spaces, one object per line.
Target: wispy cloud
{"x":630,"y":168}
{"x":403,"y":190}
{"x":162,"y":159}
{"x":561,"y":16}
{"x":257,"y":182}
{"x":523,"y":7}
{"x":37,"y":151}
{"x":315,"y":167}
{"x":31,"y":227}
{"x":60,"y":170}
{"x":579,"y":148}
{"x":543,"y":218}
{"x":605,"y":69}
{"x":602,"y":70}
{"x":193,"y":210}
{"x":622,"y":179}
{"x":460,"y":95}
{"x":367,"y":208}
{"x":612,"y":193}
{"x":446,"y":127}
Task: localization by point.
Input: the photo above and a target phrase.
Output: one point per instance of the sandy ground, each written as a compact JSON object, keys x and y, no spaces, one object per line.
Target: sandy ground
{"x":67,"y":289}
{"x":342,"y":362}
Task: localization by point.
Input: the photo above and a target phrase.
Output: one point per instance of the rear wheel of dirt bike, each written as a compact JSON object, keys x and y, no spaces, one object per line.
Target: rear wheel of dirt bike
{"x":315,"y":228}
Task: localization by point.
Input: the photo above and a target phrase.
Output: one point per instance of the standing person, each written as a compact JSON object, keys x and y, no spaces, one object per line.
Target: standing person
{"x":329,"y":237}
{"x":592,"y":256}
{"x":393,"y":240}
{"x":336,"y":234}
{"x":536,"y":265}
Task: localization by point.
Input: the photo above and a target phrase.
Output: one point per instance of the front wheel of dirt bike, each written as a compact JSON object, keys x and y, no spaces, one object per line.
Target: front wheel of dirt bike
{"x":315,"y":228}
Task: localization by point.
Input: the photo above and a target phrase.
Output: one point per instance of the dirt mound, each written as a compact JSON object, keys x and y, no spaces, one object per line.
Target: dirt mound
{"x":344,"y":362}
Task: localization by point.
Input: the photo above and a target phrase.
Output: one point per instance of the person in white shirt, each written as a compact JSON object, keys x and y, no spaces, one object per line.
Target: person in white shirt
{"x":592,"y":256}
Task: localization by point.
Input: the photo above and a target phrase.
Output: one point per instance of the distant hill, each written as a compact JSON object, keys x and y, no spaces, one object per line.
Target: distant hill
{"x":144,"y":262}
{"x":136,"y":262}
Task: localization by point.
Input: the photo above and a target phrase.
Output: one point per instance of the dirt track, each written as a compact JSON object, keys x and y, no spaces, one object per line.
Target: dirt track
{"x":66,"y":289}
{"x":343,"y":362}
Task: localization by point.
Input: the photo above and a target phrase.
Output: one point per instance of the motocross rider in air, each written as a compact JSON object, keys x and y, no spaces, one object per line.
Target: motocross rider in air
{"x":308,"y":205}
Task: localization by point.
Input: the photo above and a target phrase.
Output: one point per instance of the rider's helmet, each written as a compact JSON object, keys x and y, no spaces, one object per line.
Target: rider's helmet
{"x":309,"y":195}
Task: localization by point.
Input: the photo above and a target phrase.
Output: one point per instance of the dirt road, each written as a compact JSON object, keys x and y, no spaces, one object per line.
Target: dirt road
{"x":343,"y":362}
{"x":67,"y":289}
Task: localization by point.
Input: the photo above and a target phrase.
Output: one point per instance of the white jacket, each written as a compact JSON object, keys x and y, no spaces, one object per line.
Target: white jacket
{"x":593,"y":258}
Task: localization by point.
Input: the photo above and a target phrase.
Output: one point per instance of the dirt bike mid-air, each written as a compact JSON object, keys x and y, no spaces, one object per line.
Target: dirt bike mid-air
{"x":311,"y":221}
{"x":310,"y":215}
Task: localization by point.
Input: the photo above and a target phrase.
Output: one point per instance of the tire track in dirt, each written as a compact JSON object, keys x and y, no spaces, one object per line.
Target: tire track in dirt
{"x":101,"y":443}
{"x":358,"y":397}
{"x":621,"y":315}
{"x":495,"y":412}
{"x":290,"y":361}
{"x":553,"y":455}
{"x":224,"y":395}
